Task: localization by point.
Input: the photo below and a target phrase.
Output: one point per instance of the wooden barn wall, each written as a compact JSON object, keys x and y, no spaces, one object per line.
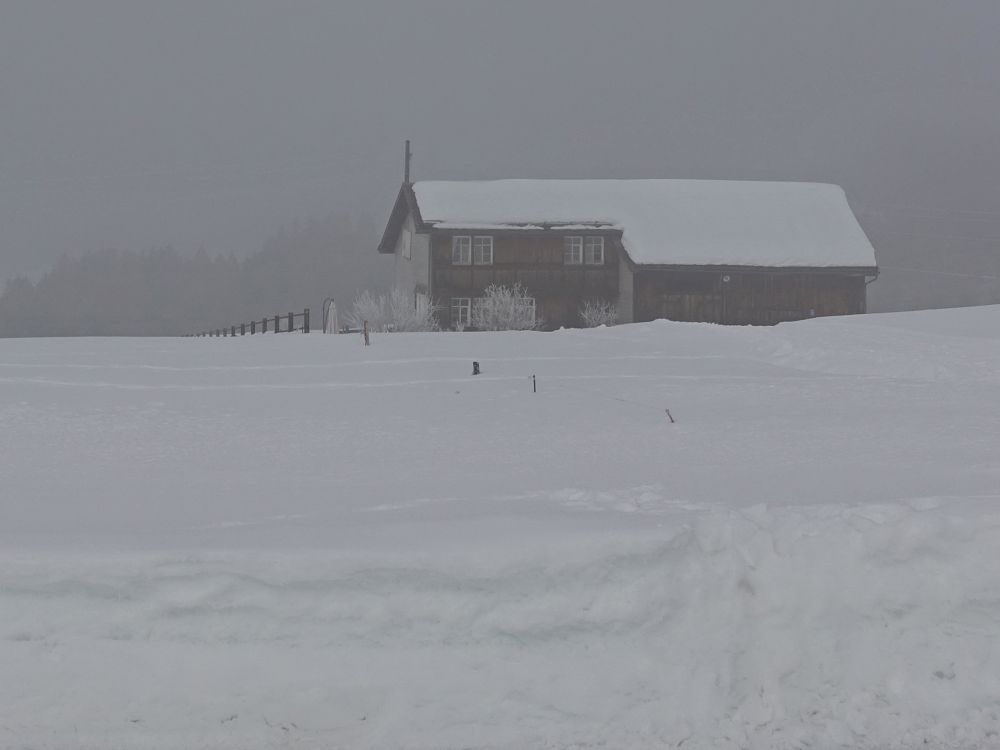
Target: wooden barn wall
{"x":536,"y":261}
{"x":750,"y":298}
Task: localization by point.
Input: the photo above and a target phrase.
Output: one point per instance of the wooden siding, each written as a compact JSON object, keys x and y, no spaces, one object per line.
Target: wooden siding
{"x":737,"y":296}
{"x":534,"y":260}
{"x":746,"y":298}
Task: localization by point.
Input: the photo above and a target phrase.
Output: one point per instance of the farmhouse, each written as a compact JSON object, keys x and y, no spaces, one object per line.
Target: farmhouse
{"x":694,"y":250}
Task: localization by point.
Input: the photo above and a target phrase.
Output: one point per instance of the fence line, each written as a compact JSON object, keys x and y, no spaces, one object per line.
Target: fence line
{"x":271,"y":324}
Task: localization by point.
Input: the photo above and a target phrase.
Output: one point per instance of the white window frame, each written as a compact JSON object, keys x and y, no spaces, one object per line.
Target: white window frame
{"x":461,"y":250}
{"x":481,"y":245}
{"x":530,"y":303}
{"x":593,"y":251}
{"x":463,"y":306}
{"x":573,"y":251}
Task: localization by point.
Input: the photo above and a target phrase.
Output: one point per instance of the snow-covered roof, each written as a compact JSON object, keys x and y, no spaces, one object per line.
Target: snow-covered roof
{"x":670,"y":222}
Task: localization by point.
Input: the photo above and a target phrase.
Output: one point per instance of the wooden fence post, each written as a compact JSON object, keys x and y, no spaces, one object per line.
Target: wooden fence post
{"x":306,"y":326}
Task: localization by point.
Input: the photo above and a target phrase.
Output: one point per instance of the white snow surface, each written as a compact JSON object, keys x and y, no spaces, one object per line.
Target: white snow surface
{"x":674,"y":222}
{"x":297,"y":541}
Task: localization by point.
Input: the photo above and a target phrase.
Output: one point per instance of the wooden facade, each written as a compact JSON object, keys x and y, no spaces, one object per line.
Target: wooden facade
{"x":743,"y":296}
{"x":535,"y":260}
{"x":730,"y":296}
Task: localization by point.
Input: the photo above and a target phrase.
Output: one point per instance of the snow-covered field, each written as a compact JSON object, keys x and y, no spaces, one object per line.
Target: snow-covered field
{"x":297,"y":541}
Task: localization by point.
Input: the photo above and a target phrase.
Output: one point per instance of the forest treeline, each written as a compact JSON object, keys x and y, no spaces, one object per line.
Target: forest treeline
{"x":163,"y":292}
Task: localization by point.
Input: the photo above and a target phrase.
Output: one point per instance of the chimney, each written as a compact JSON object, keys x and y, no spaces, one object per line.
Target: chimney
{"x":406,"y":168}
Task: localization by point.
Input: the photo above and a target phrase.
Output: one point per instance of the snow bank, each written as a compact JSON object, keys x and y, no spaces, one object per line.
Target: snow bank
{"x":300,"y":541}
{"x":683,"y":222}
{"x":862,"y":627}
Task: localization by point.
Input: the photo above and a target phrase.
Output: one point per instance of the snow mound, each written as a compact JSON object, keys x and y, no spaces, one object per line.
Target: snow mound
{"x":299,"y":541}
{"x":866,"y":627}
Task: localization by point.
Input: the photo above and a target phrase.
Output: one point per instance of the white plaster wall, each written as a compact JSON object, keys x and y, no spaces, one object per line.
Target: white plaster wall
{"x":412,"y":274}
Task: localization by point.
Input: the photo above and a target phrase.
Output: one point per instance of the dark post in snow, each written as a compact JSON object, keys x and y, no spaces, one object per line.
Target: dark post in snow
{"x":232,"y":331}
{"x":365,"y":332}
{"x":243,"y":329}
{"x":253,"y":327}
{"x":305,"y":320}
{"x":277,"y":324}
{"x":263,"y":325}
{"x":475,"y":368}
{"x":291,"y":322}
{"x":534,"y":385}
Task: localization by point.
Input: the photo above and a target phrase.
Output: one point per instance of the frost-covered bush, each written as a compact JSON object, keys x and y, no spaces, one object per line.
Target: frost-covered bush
{"x":407,"y":315}
{"x":505,"y":308}
{"x":598,"y":312}
{"x":395,"y":311}
{"x":370,"y":307}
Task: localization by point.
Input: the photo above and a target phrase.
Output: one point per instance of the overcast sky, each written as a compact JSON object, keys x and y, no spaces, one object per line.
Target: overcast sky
{"x":137,"y":124}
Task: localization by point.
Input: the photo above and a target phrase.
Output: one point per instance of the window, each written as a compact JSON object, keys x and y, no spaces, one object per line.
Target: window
{"x":593,"y":251}
{"x":405,"y":242}
{"x":461,"y":311}
{"x":573,"y":251}
{"x":466,"y":250}
{"x":482,"y":251}
{"x":461,"y":250}
{"x":529,"y":308}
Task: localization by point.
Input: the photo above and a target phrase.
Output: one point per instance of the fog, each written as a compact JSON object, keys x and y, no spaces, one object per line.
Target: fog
{"x":216,"y":126}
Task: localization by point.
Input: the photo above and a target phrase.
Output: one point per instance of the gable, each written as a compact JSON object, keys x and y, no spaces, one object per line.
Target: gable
{"x":405,"y":205}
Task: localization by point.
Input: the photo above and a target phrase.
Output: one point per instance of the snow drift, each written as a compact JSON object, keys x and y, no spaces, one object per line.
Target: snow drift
{"x":297,"y":541}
